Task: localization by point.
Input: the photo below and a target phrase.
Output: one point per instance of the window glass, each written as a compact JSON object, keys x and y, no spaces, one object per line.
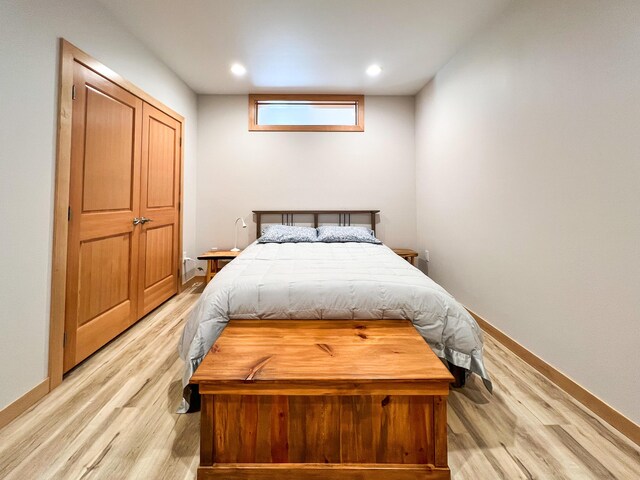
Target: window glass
{"x":306,"y":113}
{"x":326,"y":113}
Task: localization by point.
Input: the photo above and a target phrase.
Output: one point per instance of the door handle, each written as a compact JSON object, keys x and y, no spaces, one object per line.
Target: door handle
{"x":144,"y":220}
{"x":137,"y":221}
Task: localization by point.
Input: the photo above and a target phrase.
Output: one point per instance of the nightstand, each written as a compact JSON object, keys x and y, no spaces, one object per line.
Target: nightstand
{"x":406,"y":253}
{"x":212,"y":258}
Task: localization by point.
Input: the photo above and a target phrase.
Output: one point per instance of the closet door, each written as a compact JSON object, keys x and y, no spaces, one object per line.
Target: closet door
{"x":102,"y":262}
{"x":159,"y":208}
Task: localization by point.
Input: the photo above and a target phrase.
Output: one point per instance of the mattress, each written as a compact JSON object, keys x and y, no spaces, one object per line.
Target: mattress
{"x":330,"y":281}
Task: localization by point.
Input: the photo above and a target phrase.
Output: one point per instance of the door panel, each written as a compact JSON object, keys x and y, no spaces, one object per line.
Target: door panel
{"x":93,"y":335}
{"x":162,"y":157}
{"x":103,"y":275}
{"x":108,"y":153}
{"x":160,"y":191}
{"x":159,"y":247}
{"x":104,"y":197}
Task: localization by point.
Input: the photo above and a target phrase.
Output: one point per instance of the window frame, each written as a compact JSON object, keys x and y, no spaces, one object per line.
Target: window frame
{"x":253,"y":113}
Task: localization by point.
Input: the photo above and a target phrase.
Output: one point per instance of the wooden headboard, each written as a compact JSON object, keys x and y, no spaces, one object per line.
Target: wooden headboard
{"x":288,"y":216}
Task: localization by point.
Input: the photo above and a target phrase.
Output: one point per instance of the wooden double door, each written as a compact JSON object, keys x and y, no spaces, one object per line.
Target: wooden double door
{"x":124,"y":213}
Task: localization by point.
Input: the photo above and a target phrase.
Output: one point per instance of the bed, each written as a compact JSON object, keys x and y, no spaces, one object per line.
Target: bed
{"x":341,"y":281}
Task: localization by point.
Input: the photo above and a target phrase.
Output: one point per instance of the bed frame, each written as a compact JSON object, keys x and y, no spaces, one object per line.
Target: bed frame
{"x":288,"y":217}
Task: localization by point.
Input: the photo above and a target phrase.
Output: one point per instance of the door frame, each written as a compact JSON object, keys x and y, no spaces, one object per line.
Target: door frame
{"x":68,"y":54}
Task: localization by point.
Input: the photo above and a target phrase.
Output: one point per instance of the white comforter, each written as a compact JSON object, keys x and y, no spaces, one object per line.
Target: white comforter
{"x":331,"y":281}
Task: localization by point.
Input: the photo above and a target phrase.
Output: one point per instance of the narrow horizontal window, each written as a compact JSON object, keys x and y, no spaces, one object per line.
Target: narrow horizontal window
{"x":322,"y":113}
{"x":300,"y":112}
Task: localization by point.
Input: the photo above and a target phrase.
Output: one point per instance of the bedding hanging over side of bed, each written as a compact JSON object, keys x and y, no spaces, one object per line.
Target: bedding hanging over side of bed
{"x":330,"y":281}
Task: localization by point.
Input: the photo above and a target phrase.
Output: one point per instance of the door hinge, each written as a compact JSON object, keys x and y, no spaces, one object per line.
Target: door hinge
{"x":69,"y":214}
{"x":64,"y":339}
{"x":73,"y":92}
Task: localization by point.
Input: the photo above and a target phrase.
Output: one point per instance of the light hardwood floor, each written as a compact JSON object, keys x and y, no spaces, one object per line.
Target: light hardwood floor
{"x":113,"y":418}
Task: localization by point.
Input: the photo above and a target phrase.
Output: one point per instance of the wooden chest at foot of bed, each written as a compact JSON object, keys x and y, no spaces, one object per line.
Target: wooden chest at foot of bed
{"x":332,"y":399}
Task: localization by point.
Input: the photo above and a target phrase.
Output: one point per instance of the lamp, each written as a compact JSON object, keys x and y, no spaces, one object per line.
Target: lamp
{"x":244,"y":225}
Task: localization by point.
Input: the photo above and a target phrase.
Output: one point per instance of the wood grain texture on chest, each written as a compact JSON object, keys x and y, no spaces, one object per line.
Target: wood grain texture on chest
{"x":327,"y":399}
{"x":337,"y":356}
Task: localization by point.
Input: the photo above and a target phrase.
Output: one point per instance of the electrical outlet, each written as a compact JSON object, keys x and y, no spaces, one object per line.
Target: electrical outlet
{"x":426,"y":255}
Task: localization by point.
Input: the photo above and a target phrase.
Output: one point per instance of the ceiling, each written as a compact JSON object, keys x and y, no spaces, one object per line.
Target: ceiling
{"x":320,"y":46}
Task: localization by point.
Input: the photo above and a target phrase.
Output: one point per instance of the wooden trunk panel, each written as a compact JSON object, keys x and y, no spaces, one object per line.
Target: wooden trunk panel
{"x":314,"y":429}
{"x":233,"y":433}
{"x":421,"y":429}
{"x":263,"y":431}
{"x":382,"y":429}
{"x":358,"y":441}
{"x":326,"y":471}
{"x":440,"y":428}
{"x":207,"y":430}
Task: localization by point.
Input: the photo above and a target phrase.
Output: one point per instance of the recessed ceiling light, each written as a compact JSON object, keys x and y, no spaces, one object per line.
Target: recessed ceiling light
{"x":374,"y":70}
{"x":238,"y":70}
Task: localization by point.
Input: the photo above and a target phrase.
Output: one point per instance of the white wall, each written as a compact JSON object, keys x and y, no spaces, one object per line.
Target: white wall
{"x":29,"y":32}
{"x":528,"y":185}
{"x":240,"y":171}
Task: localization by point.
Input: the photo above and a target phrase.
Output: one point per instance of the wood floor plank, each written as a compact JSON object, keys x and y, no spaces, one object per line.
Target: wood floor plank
{"x":617,"y":460}
{"x":114,"y":417}
{"x":468,"y":457}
